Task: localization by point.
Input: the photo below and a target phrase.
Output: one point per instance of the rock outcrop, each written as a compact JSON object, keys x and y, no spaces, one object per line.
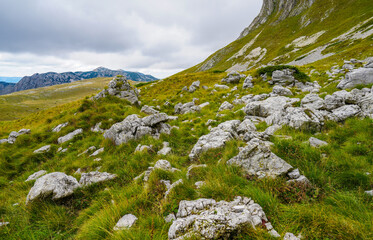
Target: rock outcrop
{"x":208,"y":219}
{"x":133,"y":127}
{"x":257,"y":159}
{"x":360,"y":76}
{"x":120,"y":88}
{"x":283,"y":10}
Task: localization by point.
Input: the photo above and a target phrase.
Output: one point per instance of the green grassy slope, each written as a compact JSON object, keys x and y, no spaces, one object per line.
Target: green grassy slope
{"x":335,"y":207}
{"x":19,"y":104}
{"x":334,"y":17}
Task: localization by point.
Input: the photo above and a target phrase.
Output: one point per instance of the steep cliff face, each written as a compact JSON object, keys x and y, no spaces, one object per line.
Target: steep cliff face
{"x":281,"y":9}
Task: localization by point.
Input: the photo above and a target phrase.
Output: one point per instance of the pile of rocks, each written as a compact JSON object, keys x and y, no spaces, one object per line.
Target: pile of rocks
{"x":208,"y":219}
{"x":13,"y":136}
{"x":133,"y":127}
{"x":120,"y":88}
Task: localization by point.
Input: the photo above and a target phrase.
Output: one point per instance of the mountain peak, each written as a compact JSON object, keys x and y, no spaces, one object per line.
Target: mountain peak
{"x":280,"y":9}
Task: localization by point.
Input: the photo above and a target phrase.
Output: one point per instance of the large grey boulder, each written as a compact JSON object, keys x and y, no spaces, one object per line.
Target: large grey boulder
{"x":233,"y":77}
{"x":333,"y":101}
{"x":95,"y":177}
{"x":208,"y":219}
{"x":346,"y":111}
{"x":57,"y":184}
{"x":257,"y":159}
{"x":43,"y":149}
{"x":248,"y":82}
{"x":360,"y":76}
{"x":217,"y":138}
{"x":133,"y":127}
{"x":120,"y":87}
{"x":70,"y":136}
{"x":312,"y":101}
{"x":185,"y":108}
{"x":225,"y":106}
{"x":125,"y":222}
{"x":36,"y":175}
{"x":59,"y":127}
{"x":269,"y":106}
{"x":283,"y":77}
{"x":304,"y":119}
{"x":281,"y":91}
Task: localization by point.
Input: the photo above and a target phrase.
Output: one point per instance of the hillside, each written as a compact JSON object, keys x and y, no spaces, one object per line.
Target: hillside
{"x":305,"y":33}
{"x":51,"y":78}
{"x":20,"y":104}
{"x":269,"y":152}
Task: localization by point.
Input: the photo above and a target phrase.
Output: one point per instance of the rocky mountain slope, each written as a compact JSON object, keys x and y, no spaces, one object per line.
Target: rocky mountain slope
{"x":304,"y":32}
{"x":6,"y":87}
{"x":51,"y":78}
{"x":274,"y":152}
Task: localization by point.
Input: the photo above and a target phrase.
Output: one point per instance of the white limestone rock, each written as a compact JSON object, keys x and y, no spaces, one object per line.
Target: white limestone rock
{"x":57,"y":184}
{"x":43,"y":149}
{"x":95,"y":177}
{"x":257,"y":159}
{"x":59,"y":127}
{"x":70,"y":136}
{"x":312,"y":101}
{"x":149,"y":110}
{"x":225,"y":106}
{"x":97,"y":152}
{"x":36,"y":175}
{"x":360,"y":76}
{"x":248,"y":83}
{"x":165,"y":150}
{"x":314,"y":142}
{"x":217,"y":138}
{"x":125,"y":222}
{"x":346,"y":111}
{"x":185,"y":108}
{"x":281,"y":91}
{"x":208,"y":219}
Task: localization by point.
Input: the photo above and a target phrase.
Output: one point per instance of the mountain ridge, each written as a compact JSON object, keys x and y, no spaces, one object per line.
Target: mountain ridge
{"x":52,"y":78}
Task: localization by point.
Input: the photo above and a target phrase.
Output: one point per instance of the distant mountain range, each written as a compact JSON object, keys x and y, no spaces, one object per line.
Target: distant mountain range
{"x":51,"y":78}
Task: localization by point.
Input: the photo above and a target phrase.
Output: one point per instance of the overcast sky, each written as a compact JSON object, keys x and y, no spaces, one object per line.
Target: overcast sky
{"x":158,"y":37}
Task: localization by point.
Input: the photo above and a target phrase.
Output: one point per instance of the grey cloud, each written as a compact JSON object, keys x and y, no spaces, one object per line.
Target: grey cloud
{"x":144,"y":34}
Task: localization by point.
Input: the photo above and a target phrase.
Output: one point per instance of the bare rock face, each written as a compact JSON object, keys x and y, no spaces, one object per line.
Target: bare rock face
{"x":257,"y":159}
{"x":95,"y":177}
{"x":208,"y":219}
{"x":57,"y":184}
{"x":120,"y":88}
{"x":133,"y":127}
{"x":283,"y":9}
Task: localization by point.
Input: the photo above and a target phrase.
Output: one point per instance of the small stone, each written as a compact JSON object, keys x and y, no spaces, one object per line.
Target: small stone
{"x":314,"y":142}
{"x":43,"y":149}
{"x":125,"y":222}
